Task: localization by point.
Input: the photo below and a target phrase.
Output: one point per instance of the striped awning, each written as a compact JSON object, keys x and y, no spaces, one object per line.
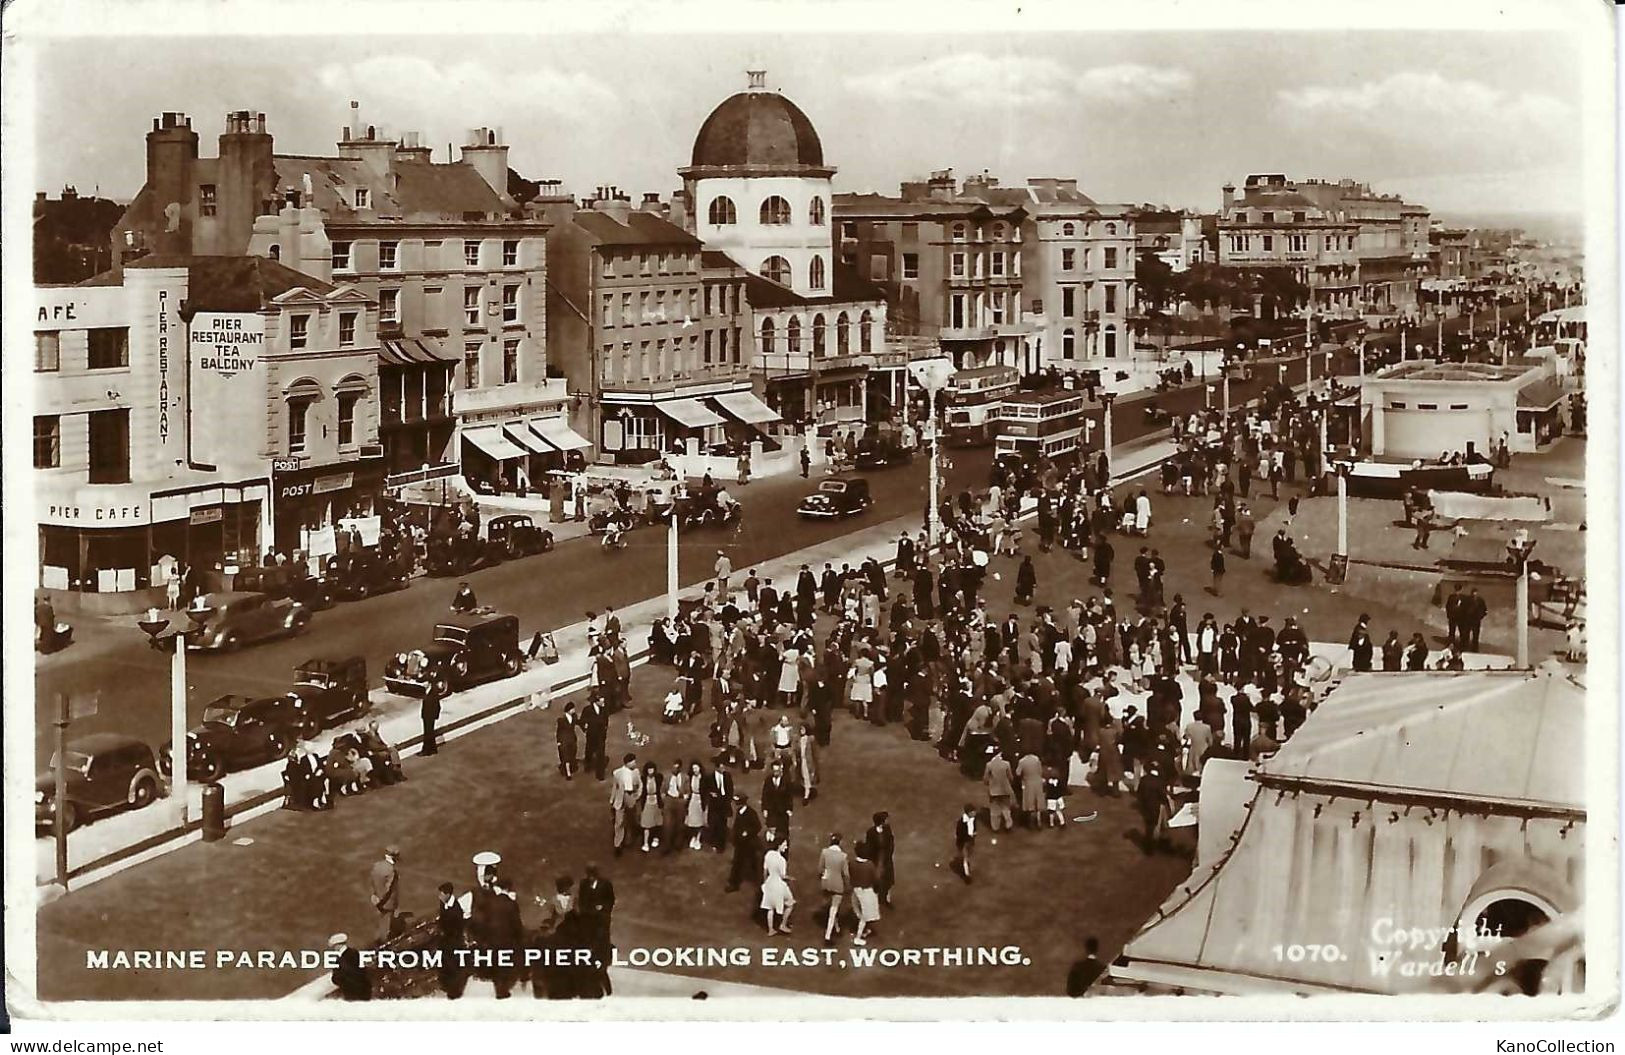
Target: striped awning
{"x":746,"y":408}
{"x":410,"y":352}
{"x":690,"y":413}
{"x":489,"y":438}
{"x":556,"y":432}
{"x":520,"y":434}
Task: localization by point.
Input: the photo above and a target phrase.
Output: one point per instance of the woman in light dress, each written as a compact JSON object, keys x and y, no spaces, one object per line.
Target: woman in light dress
{"x":863,"y":685}
{"x":694,"y":812}
{"x":777,"y":901}
{"x":789,"y":675}
{"x":807,"y":761}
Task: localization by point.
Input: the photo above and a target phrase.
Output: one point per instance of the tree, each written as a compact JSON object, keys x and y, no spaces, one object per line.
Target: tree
{"x":1156,"y":281}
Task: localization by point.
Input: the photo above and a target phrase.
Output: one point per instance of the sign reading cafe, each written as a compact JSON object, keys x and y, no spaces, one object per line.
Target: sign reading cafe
{"x":228,"y":379}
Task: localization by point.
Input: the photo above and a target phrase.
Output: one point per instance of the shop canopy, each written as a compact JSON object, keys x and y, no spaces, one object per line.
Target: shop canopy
{"x":746,"y":407}
{"x":409,"y":352}
{"x":690,"y":413}
{"x":521,"y":436}
{"x":489,"y":439}
{"x":559,"y":434}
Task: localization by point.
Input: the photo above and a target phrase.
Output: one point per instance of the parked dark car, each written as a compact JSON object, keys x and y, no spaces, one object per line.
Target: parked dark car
{"x":238,"y":618}
{"x":517,"y":535}
{"x":327,"y":692}
{"x":289,"y":581}
{"x":702,"y":507}
{"x":840,"y":497}
{"x":458,"y":554}
{"x":359,"y":574}
{"x":106,"y":772}
{"x":237,"y":732}
{"x":882,"y":447}
{"x":467,"y":649}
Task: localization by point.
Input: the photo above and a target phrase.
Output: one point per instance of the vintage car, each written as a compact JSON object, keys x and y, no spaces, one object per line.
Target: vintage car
{"x":882,"y":447}
{"x":468,"y":648}
{"x":235,"y":618}
{"x":517,"y":535}
{"x":288,"y":581}
{"x":105,"y":772}
{"x":237,"y":732}
{"x":459,"y":554}
{"x":327,"y":692}
{"x":839,"y":497}
{"x":703,"y":507}
{"x":359,"y":574}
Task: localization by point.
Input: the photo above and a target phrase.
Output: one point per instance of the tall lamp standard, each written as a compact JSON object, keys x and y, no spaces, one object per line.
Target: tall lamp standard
{"x":1342,"y":469}
{"x":1224,"y":397}
{"x":1519,"y":547}
{"x":154,"y":626}
{"x":671,"y":564}
{"x":1106,"y":400}
{"x":932,"y":375}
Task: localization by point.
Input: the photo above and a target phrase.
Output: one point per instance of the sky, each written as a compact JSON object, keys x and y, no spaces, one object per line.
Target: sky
{"x":1462,"y":122}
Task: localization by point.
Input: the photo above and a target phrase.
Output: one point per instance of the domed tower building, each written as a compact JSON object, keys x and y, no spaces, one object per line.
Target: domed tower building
{"x":758,"y":195}
{"x":759,"y":189}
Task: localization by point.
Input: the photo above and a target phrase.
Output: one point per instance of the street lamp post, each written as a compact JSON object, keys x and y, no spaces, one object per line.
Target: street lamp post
{"x":1519,"y":547}
{"x":1106,"y":399}
{"x":154,"y":626}
{"x":671,"y":564}
{"x":1342,"y":509}
{"x":1309,"y":343}
{"x":932,"y":375}
{"x":1224,"y":381}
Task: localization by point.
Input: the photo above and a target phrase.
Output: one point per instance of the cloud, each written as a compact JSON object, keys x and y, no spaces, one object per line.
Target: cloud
{"x":975,"y":79}
{"x":1428,"y":109}
{"x":408,"y":92}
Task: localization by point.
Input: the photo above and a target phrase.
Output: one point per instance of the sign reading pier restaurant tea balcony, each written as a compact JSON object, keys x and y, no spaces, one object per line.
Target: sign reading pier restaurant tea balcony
{"x":228,"y":380}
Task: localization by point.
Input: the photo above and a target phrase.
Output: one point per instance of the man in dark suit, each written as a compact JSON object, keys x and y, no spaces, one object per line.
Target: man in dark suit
{"x":595,"y":897}
{"x":430,"y":713}
{"x":1086,"y":971}
{"x":747,"y":837}
{"x":595,"y":727}
{"x":1473,"y":611}
{"x":449,"y":939}
{"x":506,"y":934}
{"x":964,"y":842}
{"x":718,"y":795}
{"x":767,"y":599}
{"x":830,"y":585}
{"x":880,"y":846}
{"x":564,"y":731}
{"x":778,"y":799}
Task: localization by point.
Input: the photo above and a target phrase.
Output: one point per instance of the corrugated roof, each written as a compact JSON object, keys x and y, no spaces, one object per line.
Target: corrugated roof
{"x":224,"y":283}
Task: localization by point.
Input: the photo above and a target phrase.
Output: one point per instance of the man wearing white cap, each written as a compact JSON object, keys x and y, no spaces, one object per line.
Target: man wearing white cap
{"x":349,"y":977}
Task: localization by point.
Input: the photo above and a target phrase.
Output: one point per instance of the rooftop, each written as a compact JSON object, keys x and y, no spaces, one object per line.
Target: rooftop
{"x":1431,"y":370}
{"x":223,"y":283}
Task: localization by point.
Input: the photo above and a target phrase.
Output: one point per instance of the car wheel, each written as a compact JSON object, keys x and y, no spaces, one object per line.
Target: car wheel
{"x":307,"y":728}
{"x":166,"y":765}
{"x":299,"y":623}
{"x":70,"y":817}
{"x":361,"y":591}
{"x":547,"y":541}
{"x":143,"y":793}
{"x":231,"y":642}
{"x":439,"y":688}
{"x":209,"y":769}
{"x":281,"y":745}
{"x":510,"y":665}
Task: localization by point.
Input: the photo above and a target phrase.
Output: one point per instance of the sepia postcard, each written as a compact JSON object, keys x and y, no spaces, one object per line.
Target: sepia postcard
{"x":795,"y":511}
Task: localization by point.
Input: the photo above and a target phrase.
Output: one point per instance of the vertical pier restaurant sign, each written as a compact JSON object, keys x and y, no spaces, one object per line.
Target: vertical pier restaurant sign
{"x":228,"y":380}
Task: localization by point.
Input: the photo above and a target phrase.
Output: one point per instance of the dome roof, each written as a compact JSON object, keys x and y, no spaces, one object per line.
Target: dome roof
{"x":758,"y":129}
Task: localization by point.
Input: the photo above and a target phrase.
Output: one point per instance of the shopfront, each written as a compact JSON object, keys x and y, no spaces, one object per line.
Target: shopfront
{"x":108,"y":549}
{"x":312,"y":500}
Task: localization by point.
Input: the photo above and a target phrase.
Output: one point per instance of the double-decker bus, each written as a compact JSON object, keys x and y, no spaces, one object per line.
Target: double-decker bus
{"x":974,"y":397}
{"x":1045,"y":424}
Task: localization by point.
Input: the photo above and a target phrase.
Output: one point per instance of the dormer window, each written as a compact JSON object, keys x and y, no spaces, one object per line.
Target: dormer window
{"x":363,"y":198}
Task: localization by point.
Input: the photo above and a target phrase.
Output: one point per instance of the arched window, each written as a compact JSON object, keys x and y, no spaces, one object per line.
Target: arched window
{"x":815,"y":211}
{"x":843,"y":334}
{"x":350,"y":391}
{"x":723,"y":211}
{"x":1111,"y":228}
{"x":866,"y":325}
{"x":819,"y":329}
{"x":299,"y":396}
{"x":775,"y":212}
{"x":776,"y":269}
{"x":1068,"y":230}
{"x":998,"y":232}
{"x":815,"y":273}
{"x":792,"y":336}
{"x":767,"y":336}
{"x":959,"y":232}
{"x":1068,"y":344}
{"x":1111,"y":341}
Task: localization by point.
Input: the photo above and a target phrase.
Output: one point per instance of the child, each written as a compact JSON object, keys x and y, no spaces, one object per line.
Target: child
{"x":1054,"y":798}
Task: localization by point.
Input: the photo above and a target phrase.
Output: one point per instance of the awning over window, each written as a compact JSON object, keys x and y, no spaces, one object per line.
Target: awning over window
{"x":489,"y":438}
{"x":690,"y":413}
{"x":522,"y":436}
{"x":559,"y":434}
{"x":746,"y":408}
{"x":409,"y":352}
